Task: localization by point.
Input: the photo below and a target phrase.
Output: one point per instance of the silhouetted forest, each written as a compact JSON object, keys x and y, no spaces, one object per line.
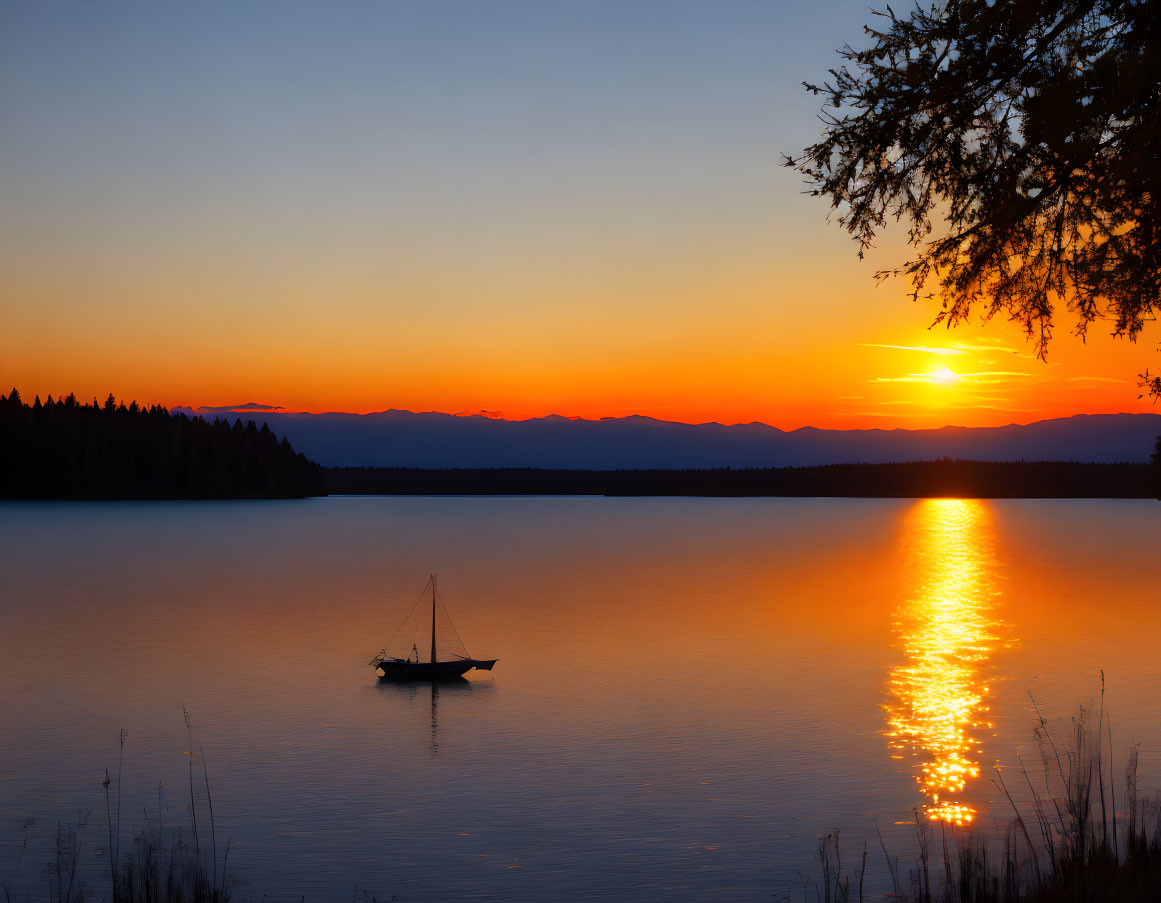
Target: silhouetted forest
{"x":68,"y":450}
{"x":922,"y":479}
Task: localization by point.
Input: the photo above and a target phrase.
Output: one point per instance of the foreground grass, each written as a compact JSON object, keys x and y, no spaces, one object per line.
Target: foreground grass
{"x":1078,"y":835}
{"x":160,"y":865}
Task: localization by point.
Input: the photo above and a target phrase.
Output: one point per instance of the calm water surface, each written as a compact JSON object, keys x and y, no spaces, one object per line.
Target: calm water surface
{"x":690,"y":691}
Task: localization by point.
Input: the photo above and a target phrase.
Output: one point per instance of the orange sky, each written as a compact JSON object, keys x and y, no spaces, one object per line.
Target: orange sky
{"x":574,"y":210}
{"x":790,"y":331}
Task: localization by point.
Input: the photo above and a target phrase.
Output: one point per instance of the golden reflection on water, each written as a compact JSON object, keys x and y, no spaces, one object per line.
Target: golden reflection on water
{"x":947,"y":631}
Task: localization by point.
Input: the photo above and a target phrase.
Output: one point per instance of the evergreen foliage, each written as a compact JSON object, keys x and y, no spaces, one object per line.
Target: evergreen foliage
{"x":68,"y":450}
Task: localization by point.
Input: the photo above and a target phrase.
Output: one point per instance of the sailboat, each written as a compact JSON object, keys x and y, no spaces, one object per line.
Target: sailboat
{"x":413,"y":668}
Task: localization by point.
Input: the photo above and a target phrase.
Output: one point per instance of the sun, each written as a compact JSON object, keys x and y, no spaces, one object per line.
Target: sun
{"x":945,"y":376}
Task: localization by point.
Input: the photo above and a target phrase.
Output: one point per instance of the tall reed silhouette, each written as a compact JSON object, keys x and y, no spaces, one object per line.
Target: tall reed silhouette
{"x":1062,"y":844}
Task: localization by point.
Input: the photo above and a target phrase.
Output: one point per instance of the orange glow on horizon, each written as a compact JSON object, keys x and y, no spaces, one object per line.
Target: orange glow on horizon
{"x":765,"y":361}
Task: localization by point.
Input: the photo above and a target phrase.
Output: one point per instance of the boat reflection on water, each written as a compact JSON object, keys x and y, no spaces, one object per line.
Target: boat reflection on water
{"x":419,"y":692}
{"x":947,"y":630}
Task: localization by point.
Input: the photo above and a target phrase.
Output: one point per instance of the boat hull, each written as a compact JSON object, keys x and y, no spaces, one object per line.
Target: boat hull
{"x":425,"y":670}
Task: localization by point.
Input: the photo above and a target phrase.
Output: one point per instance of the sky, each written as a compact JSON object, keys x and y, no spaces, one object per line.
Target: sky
{"x":525,"y":208}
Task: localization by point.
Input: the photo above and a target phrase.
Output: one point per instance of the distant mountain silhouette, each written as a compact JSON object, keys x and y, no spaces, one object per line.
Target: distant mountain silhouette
{"x":432,"y":440}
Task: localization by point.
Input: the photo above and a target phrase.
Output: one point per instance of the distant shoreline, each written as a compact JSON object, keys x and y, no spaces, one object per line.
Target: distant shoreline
{"x":919,"y":479}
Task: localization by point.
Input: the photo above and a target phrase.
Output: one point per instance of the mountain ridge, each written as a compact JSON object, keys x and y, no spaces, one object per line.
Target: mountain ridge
{"x":432,"y":439}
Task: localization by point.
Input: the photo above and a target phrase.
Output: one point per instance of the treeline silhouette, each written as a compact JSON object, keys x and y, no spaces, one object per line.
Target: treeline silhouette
{"x":920,"y":479}
{"x":68,"y":450}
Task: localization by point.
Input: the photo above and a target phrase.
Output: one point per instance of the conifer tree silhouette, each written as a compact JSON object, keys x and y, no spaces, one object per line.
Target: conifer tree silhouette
{"x":63,"y":449}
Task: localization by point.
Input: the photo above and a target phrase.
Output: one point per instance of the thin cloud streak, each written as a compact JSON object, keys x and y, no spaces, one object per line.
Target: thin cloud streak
{"x":985,"y":377}
{"x":238,"y":408}
{"x":993,"y":345}
{"x":922,"y":348}
{"x":997,"y":373}
{"x":991,"y":407}
{"x":888,"y":414}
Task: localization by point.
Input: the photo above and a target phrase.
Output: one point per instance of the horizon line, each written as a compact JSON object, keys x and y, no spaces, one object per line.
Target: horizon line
{"x":250,"y":408}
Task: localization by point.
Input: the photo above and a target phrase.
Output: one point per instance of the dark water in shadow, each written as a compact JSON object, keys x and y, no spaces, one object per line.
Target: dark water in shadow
{"x":689,"y":691}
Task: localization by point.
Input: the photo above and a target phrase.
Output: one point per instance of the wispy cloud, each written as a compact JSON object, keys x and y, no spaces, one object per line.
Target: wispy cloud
{"x":965,"y":404}
{"x":988,"y":376}
{"x":922,"y":348}
{"x":985,"y":396}
{"x":986,"y":344}
{"x":992,"y":407}
{"x":1095,"y":379}
{"x":238,"y":408}
{"x":891,"y":414}
{"x":909,"y":378}
{"x":985,"y":377}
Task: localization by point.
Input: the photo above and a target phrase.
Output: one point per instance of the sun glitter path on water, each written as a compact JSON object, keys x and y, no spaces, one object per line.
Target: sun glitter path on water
{"x":946,"y":631}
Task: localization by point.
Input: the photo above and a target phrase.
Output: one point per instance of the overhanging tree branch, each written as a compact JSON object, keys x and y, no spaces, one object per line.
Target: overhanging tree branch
{"x":1032,"y":130}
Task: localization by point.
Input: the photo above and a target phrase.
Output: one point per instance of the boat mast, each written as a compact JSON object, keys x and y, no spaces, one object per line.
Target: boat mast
{"x":433,"y":619}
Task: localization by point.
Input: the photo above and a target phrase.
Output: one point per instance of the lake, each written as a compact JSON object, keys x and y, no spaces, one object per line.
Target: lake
{"x":690,"y":691}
